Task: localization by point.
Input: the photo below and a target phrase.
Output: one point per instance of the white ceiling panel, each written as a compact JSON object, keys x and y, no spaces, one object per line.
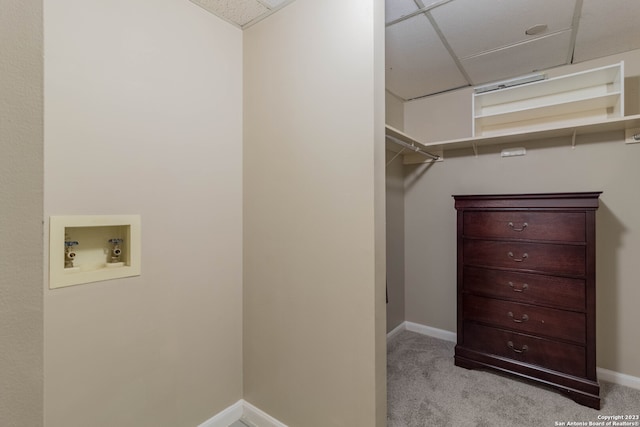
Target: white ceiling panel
{"x":239,"y":12}
{"x":607,"y":27}
{"x":475,"y":26}
{"x":395,"y":9}
{"x":417,"y":62}
{"x":539,"y":54}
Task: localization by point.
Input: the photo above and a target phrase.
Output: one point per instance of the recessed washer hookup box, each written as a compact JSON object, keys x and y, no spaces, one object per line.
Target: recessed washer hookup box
{"x":92,"y":248}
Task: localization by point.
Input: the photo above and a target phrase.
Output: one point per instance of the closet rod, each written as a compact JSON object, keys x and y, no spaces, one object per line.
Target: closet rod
{"x":413,"y":147}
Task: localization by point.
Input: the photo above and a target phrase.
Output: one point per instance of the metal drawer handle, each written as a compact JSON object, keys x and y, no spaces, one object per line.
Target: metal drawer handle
{"x":524,"y":347}
{"x":524,"y":256}
{"x":522,"y":320}
{"x":524,"y":225}
{"x":524,"y":287}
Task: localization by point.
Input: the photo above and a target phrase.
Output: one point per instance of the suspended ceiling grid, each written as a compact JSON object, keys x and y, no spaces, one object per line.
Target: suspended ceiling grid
{"x":437,"y":46}
{"x":434,"y":46}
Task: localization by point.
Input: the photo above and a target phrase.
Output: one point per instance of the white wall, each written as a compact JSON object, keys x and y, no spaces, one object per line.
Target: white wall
{"x":21,"y":182}
{"x":314,"y":322}
{"x":599,"y":162}
{"x":144,"y":116}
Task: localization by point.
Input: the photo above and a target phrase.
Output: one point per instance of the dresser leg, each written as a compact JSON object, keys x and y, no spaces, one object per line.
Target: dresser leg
{"x":580,"y":397}
{"x":583,"y":399}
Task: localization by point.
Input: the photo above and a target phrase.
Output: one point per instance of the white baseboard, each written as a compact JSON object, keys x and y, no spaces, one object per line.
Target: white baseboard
{"x":245,"y":411}
{"x":618,"y":378}
{"x":395,"y":331}
{"x":603,"y":374}
{"x":432,"y":332}
{"x":227,"y":417}
{"x":258,"y":417}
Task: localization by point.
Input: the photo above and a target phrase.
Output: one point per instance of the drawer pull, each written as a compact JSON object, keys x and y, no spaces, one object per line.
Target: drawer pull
{"x":524,"y":287}
{"x":524,"y":256}
{"x":524,"y":225}
{"x":521,"y":320}
{"x":516,"y":350}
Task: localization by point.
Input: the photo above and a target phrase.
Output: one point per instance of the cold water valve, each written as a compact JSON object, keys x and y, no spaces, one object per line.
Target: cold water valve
{"x":69,"y":253}
{"x":116,"y":251}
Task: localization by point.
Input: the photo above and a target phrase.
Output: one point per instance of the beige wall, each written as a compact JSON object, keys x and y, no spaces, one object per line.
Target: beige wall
{"x":394,"y":111}
{"x":394,"y":218}
{"x":314,"y":323}
{"x":440,"y":117}
{"x":395,"y":240}
{"x":21,"y":140}
{"x":599,"y":162}
{"x":143,"y":106}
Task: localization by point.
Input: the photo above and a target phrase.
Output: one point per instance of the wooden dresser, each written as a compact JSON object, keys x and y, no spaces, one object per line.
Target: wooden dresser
{"x":526,"y":288}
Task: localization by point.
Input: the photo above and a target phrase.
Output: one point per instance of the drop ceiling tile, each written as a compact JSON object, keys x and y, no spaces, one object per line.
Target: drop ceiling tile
{"x":517,"y":60}
{"x":395,"y":9}
{"x":417,"y":64}
{"x":273,"y":3}
{"x":606,"y":28}
{"x":475,"y":26}
{"x":239,"y":12}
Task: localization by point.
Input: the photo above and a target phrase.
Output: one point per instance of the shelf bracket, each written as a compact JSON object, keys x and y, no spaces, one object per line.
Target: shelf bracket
{"x":573,"y":138}
{"x":414,"y":147}
{"x":475,"y":148}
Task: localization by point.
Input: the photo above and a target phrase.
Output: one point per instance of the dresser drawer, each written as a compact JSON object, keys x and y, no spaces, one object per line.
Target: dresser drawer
{"x":546,"y":258}
{"x":528,"y":225}
{"x":567,"y":358}
{"x":561,"y":292}
{"x":550,"y":322}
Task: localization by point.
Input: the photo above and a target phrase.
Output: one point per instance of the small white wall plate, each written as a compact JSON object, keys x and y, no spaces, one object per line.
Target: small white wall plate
{"x":511,"y":152}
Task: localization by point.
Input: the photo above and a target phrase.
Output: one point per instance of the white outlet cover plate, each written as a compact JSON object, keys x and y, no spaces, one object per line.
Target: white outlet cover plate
{"x":511,"y":152}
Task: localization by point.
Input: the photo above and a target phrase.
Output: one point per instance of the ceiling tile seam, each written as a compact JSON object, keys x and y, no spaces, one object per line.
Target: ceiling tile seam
{"x":265,"y":4}
{"x":520,"y":43}
{"x":575,"y":23}
{"x":447,"y":46}
{"x":267,"y":14}
{"x":417,"y":12}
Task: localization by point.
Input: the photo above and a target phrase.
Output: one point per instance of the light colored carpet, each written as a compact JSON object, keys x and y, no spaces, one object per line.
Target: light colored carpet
{"x":424,"y":388}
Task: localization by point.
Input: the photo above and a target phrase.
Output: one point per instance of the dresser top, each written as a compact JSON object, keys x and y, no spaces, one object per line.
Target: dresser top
{"x":585,"y":200}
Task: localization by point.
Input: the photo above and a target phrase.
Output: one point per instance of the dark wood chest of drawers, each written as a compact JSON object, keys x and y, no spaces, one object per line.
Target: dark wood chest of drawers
{"x":526,"y":288}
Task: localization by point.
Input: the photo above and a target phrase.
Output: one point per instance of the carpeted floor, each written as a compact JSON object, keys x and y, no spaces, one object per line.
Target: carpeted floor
{"x":424,"y":388}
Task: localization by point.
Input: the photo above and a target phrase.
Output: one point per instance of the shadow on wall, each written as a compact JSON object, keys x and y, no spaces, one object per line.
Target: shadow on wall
{"x":414,"y":172}
{"x":632,"y":95}
{"x":609,"y":231}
